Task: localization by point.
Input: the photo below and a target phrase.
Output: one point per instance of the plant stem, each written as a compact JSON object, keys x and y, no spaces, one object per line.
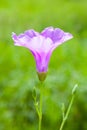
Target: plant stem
{"x":65,"y":115}
{"x":40,"y":107}
{"x":67,"y":112}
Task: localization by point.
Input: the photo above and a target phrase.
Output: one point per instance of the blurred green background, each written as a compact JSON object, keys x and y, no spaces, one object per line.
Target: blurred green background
{"x":68,"y":65}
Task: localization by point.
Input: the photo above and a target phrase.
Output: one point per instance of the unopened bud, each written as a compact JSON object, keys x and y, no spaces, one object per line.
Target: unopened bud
{"x":74,"y":89}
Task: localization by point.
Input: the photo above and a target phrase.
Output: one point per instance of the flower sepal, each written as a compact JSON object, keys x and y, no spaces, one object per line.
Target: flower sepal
{"x":42,"y":76}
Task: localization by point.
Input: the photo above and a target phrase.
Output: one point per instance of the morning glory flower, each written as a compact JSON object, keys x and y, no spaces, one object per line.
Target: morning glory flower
{"x":41,"y":44}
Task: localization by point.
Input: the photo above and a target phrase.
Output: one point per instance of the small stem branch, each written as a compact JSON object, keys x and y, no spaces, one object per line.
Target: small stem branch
{"x":65,"y":115}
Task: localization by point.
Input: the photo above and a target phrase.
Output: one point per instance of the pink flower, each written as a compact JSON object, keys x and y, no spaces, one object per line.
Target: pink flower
{"x":41,"y":44}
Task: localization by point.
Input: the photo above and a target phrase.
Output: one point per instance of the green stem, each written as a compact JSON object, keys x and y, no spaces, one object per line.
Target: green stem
{"x":40,"y":108}
{"x":65,"y":115}
{"x":67,"y":112}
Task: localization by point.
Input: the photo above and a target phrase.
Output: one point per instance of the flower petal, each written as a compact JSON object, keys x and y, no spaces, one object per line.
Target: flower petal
{"x":56,"y":35}
{"x":65,"y":37}
{"x":31,"y":33}
{"x":41,"y":61}
{"x":21,"y":40}
{"x":40,"y":44}
{"x":47,"y":32}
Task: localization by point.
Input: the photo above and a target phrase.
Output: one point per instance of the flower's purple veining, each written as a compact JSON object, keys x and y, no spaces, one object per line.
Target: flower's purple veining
{"x":41,"y":44}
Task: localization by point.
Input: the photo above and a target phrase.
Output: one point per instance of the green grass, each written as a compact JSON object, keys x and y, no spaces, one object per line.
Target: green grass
{"x":68,"y":65}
